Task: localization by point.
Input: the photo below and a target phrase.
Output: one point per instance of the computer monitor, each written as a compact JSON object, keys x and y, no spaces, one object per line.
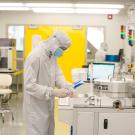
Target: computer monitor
{"x":101,"y":71}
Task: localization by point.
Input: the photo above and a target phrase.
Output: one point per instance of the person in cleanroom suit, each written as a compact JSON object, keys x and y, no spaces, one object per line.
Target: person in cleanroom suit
{"x":41,"y":75}
{"x":101,"y":53}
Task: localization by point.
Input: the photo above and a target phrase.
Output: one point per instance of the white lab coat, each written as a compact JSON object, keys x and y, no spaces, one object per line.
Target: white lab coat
{"x":100,"y":56}
{"x":101,"y":53}
{"x":41,"y":75}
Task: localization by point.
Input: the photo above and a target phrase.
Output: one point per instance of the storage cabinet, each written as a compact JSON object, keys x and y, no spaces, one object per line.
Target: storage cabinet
{"x":116,"y":124}
{"x":93,"y":121}
{"x":85,"y":121}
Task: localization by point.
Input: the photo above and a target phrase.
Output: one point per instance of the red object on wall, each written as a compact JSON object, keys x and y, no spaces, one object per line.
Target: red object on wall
{"x":109,"y":17}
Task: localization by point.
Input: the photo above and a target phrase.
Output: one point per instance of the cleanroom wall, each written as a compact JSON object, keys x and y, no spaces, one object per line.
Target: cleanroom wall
{"x":112,"y":27}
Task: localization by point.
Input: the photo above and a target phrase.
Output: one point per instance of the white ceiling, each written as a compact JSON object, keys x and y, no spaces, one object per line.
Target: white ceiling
{"x":73,"y":1}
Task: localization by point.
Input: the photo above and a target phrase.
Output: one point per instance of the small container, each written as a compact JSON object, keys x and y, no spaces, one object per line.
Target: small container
{"x":112,"y":58}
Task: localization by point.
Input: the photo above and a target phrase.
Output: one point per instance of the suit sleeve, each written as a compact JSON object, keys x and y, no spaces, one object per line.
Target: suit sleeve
{"x":30,"y":80}
{"x":60,"y":79}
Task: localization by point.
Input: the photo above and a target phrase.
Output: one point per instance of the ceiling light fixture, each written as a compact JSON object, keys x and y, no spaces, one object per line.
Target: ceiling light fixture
{"x":79,"y":10}
{"x":75,"y":8}
{"x":53,"y":10}
{"x":63,"y":8}
{"x":11,"y":4}
{"x":106,"y":6}
{"x":97,"y":11}
{"x":49,"y":5}
{"x":14,"y":8}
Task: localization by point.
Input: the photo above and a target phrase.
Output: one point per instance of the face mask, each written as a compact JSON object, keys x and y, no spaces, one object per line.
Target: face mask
{"x":59,"y":52}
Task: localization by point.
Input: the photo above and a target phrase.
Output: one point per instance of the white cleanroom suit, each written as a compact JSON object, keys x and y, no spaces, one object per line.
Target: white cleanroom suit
{"x":41,"y":75}
{"x":101,"y":53}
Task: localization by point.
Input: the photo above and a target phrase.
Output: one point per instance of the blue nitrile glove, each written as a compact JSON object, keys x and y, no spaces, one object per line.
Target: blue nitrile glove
{"x":77,"y":84}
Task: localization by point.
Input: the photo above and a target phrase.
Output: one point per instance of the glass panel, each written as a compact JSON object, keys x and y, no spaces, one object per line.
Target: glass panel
{"x":17,"y":32}
{"x":95,"y":36}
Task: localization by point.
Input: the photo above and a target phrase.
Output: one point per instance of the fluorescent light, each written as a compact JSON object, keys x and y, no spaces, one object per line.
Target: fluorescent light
{"x":53,"y":10}
{"x":97,"y":11}
{"x":11,"y":4}
{"x":38,"y":5}
{"x":107,"y":6}
{"x":63,"y":8}
{"x":14,"y":8}
{"x":77,"y":10}
{"x":112,"y":6}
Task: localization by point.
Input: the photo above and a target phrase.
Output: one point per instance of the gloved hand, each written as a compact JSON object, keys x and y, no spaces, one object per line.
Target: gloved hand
{"x":61,"y":93}
{"x":71,"y":92}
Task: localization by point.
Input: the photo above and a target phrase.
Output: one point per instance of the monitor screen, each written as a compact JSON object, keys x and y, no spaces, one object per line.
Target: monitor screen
{"x":101,"y":71}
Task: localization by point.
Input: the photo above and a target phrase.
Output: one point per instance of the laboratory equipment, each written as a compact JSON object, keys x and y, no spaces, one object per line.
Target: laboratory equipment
{"x":114,"y":89}
{"x":7,"y":55}
{"x":101,"y":113}
{"x":79,"y":74}
{"x":110,"y":105}
{"x":100,"y":70}
{"x":123,"y":32}
{"x":111,"y":90}
{"x":112,"y":58}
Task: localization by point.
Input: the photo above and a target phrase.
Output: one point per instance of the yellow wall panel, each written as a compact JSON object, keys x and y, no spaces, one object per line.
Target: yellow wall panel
{"x":60,"y":127}
{"x":74,"y":57}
